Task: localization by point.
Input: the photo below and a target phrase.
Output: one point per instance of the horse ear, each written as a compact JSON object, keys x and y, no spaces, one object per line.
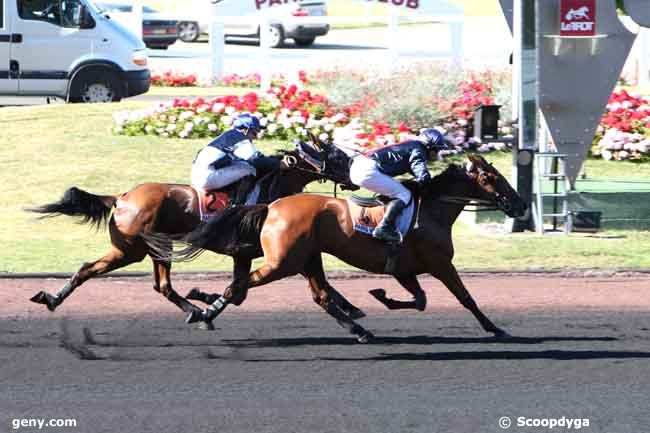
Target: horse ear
{"x":314,"y":140}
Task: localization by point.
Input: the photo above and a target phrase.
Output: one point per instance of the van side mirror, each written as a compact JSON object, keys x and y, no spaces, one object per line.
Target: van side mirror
{"x":86,"y":20}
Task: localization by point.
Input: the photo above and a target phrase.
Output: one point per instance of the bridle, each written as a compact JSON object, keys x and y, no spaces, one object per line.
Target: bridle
{"x":498,"y":202}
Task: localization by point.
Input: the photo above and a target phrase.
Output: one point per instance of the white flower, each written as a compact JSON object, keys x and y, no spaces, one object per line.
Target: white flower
{"x":607,"y":155}
{"x":212,"y":127}
{"x":172,"y":119}
{"x":171,"y":127}
{"x":227,"y":120}
{"x":148,"y":128}
{"x":183,"y":134}
{"x":188,"y":126}
{"x":272,"y":128}
{"x":323,"y":137}
{"x":218,"y":107}
{"x":230,"y":111}
{"x":185,"y":115}
{"x":286,"y":123}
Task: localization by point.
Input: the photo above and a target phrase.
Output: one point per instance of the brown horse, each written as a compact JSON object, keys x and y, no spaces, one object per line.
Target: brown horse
{"x":292,"y":233}
{"x":167,"y":208}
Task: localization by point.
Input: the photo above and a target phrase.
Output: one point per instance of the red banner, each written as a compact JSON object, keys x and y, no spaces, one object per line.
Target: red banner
{"x":577,"y":17}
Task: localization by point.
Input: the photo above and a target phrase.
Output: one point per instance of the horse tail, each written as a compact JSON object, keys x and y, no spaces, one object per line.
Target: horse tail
{"x":91,"y":208}
{"x":228,"y":232}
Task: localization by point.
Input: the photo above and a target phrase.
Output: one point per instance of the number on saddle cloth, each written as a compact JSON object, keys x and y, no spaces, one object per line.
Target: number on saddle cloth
{"x":366,"y":214}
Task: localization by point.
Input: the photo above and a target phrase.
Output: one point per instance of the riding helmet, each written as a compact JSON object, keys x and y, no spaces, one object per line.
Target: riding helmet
{"x":247,"y":121}
{"x":433,"y":139}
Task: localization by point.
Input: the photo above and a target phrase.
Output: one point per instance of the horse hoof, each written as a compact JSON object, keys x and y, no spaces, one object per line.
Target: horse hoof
{"x":194,"y":316}
{"x":46,"y":299}
{"x":356,"y":314}
{"x":365,"y":338}
{"x":205,"y":326}
{"x":194,"y":294}
{"x":379,"y":294}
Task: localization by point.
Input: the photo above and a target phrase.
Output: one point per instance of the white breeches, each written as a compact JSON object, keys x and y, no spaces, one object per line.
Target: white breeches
{"x":365,"y":173}
{"x":214,"y":179}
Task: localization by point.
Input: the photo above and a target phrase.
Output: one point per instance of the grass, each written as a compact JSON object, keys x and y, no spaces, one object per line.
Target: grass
{"x":46,"y":149}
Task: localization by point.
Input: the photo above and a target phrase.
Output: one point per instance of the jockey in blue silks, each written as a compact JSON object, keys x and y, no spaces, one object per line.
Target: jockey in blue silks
{"x":232,"y":157}
{"x":373,"y":170}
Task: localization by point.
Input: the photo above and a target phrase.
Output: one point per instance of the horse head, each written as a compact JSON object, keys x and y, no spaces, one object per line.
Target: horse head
{"x":492,"y":186}
{"x":325,"y":159}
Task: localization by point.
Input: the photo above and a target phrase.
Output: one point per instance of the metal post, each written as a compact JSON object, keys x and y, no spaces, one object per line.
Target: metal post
{"x":525,"y":59}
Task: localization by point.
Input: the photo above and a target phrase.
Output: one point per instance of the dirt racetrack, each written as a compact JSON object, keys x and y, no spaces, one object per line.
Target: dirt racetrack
{"x":117,"y":357}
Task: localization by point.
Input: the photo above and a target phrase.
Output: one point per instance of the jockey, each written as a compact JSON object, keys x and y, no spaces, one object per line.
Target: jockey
{"x":374,"y":169}
{"x":232,"y":157}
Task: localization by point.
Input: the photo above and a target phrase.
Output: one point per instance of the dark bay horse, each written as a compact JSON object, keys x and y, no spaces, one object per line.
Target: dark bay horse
{"x":292,"y":233}
{"x":167,"y":208}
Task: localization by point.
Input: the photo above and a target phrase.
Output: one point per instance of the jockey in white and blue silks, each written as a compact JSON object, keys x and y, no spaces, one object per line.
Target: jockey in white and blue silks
{"x":373,"y":171}
{"x":232,"y":157}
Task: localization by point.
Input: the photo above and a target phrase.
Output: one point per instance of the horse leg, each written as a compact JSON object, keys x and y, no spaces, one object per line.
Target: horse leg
{"x":197,"y":295}
{"x":115,"y":259}
{"x":241,"y":269}
{"x":447,"y":273}
{"x":321,"y":293}
{"x":163,"y":285}
{"x":349,"y":309}
{"x":410,"y":283}
{"x":265,"y":274}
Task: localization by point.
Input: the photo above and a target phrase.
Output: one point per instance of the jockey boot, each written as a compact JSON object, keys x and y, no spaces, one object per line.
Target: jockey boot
{"x":387,"y":229}
{"x":244,"y":187}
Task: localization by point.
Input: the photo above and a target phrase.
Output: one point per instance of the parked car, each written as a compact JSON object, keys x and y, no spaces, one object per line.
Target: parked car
{"x":69,"y":49}
{"x":303,"y":22}
{"x":158,"y":30}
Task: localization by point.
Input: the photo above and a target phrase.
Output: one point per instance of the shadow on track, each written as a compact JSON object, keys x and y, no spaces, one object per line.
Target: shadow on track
{"x":559,"y":355}
{"x":412,"y":340}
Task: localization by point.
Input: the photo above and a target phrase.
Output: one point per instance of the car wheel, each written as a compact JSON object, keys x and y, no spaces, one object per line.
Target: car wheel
{"x":304,"y":42}
{"x":97,"y":87}
{"x":276,"y":36}
{"x":188,"y":31}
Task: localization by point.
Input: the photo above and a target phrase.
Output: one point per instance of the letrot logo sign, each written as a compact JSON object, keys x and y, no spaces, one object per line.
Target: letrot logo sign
{"x":578,"y":18}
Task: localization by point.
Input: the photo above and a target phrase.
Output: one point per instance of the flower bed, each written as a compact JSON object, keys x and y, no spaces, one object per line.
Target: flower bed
{"x":173,"y":79}
{"x":289,"y":112}
{"x":624,"y":131}
{"x":285,"y":111}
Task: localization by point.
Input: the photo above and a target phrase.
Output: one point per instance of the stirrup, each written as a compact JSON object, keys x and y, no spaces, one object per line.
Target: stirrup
{"x":391,"y":237}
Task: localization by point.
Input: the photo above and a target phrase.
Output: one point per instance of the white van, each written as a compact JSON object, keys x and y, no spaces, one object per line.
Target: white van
{"x":69,"y":49}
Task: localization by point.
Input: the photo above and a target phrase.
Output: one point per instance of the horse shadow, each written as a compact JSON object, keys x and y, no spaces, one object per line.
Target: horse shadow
{"x":465,"y":355}
{"x":407,"y":340}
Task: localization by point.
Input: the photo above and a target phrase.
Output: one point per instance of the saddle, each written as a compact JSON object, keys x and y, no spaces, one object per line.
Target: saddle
{"x":213,"y":201}
{"x":367,"y":212}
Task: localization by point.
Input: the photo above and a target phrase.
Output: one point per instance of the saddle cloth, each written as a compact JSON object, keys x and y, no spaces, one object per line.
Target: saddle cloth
{"x":213,"y":201}
{"x":365,"y":219}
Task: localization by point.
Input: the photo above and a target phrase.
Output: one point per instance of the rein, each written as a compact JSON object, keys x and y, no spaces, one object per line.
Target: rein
{"x":486,"y":205}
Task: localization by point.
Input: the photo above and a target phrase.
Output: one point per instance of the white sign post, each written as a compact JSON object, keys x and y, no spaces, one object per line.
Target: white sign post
{"x":217,"y":41}
{"x":265,"y":54}
{"x":137,"y":18}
